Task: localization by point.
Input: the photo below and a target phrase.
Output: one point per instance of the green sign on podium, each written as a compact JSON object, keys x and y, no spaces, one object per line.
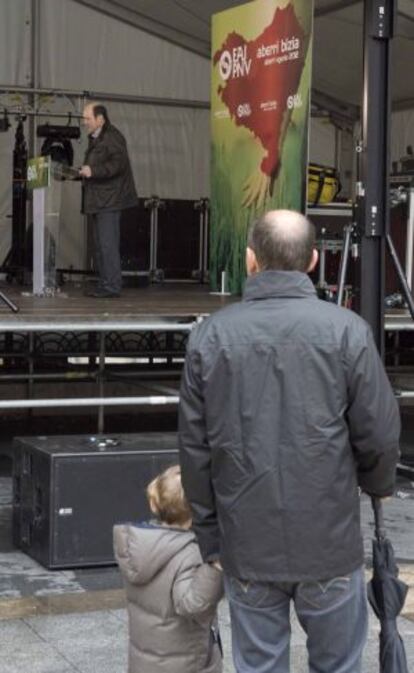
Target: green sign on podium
{"x":38,"y":172}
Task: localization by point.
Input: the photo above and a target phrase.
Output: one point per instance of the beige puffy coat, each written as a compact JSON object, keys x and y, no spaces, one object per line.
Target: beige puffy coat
{"x":172,"y":599}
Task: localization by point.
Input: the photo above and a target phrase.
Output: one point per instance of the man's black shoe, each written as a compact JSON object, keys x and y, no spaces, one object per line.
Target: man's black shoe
{"x":103,"y":294}
{"x":90,"y":292}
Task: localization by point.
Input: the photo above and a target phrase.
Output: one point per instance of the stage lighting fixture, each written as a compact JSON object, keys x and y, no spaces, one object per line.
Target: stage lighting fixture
{"x":60,"y":150}
{"x":57,"y":143}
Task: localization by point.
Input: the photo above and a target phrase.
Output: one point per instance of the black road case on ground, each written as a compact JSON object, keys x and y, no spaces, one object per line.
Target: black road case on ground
{"x":69,"y":491}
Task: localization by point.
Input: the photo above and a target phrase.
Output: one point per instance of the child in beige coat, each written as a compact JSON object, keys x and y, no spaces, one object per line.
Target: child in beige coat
{"x":172,"y":595}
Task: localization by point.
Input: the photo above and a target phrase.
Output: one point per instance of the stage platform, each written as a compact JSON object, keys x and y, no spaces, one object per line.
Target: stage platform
{"x":158,"y":305}
{"x":70,"y":351}
{"x":75,"y":336}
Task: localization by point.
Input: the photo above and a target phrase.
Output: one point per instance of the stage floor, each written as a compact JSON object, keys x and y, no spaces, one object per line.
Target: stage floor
{"x":71,"y":309}
{"x":160,"y":300}
{"x":169,"y":301}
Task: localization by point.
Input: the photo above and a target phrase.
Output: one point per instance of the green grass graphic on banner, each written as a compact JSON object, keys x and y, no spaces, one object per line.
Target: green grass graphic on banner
{"x":261,"y":73}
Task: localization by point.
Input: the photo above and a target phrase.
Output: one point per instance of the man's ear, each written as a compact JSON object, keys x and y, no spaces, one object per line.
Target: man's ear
{"x":314,"y":260}
{"x":251,"y":262}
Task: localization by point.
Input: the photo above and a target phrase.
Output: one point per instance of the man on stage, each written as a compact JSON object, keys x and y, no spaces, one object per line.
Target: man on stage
{"x":108,"y":188}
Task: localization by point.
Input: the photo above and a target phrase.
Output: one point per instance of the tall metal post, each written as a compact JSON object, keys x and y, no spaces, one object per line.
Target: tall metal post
{"x":34,"y":69}
{"x":16,"y":257}
{"x":373,"y":189}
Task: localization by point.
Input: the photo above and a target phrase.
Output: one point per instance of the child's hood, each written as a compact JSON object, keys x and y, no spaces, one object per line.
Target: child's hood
{"x":142,"y":551}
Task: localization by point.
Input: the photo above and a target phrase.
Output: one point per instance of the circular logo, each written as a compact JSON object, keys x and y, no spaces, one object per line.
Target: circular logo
{"x":225,"y":65}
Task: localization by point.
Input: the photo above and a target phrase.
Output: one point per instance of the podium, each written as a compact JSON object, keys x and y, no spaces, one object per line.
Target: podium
{"x":45,"y":179}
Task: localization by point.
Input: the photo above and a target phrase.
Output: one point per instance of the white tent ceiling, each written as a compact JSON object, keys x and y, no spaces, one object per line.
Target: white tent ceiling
{"x":337,"y":72}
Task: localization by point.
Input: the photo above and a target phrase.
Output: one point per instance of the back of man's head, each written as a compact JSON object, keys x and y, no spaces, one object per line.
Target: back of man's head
{"x":99,"y":109}
{"x":282,"y":240}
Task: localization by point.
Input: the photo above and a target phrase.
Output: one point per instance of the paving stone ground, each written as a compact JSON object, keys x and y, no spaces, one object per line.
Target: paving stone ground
{"x":74,"y":621}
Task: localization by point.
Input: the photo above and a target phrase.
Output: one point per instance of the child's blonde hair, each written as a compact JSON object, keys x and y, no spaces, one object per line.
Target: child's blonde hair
{"x":166,"y":497}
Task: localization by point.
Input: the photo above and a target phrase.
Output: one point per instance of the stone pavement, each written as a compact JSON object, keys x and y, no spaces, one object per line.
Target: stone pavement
{"x":74,"y":621}
{"x":96,"y":642}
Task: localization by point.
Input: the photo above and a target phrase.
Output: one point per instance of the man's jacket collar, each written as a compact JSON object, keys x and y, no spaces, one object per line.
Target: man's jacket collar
{"x":267,"y":284}
{"x":104,"y":128}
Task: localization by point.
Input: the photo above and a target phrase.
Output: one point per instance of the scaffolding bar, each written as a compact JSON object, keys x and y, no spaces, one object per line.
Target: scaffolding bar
{"x":9,"y":324}
{"x":89,"y":402}
{"x":104,"y":96}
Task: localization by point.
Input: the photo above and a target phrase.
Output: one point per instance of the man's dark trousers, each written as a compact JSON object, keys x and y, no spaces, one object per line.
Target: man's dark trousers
{"x":107,"y":258}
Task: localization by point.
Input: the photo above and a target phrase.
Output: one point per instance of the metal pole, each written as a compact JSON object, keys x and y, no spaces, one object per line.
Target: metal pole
{"x":201,"y":242}
{"x":150,"y":204}
{"x":206,"y":242}
{"x":41,"y":113}
{"x":409,"y":250}
{"x":406,"y":394}
{"x":155,"y":250}
{"x":401,"y":277}
{"x":83,"y":376}
{"x":16,"y":324}
{"x":16,"y":258}
{"x":34,"y":67}
{"x":106,"y":96}
{"x":89,"y":402}
{"x":101,"y":385}
{"x":373,"y":193}
{"x":344,"y":263}
{"x":322,"y":260}
{"x":30,"y":383}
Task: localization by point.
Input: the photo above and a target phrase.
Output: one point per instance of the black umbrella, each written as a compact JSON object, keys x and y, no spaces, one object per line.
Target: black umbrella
{"x":387,"y":593}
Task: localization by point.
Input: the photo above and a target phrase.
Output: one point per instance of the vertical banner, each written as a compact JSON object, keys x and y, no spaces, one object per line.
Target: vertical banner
{"x":260,"y":100}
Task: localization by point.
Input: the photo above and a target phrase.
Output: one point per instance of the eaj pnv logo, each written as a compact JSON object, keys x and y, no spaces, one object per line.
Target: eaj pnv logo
{"x":234,"y":63}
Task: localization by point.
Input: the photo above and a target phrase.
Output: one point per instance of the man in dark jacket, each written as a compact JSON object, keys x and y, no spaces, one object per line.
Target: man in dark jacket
{"x":108,"y":188}
{"x":285,"y":412}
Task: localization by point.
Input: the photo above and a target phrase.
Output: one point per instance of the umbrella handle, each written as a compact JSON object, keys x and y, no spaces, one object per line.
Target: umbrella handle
{"x":379,"y":518}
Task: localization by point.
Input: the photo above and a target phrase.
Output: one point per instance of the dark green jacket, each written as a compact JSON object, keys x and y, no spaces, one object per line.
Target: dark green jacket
{"x":111,"y":186}
{"x":285,"y":409}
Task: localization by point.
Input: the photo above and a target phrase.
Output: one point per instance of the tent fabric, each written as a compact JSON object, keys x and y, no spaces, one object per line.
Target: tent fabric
{"x":322,"y":142}
{"x":129,"y":47}
{"x":338,"y":30}
{"x":15,"y":42}
{"x":82,"y":49}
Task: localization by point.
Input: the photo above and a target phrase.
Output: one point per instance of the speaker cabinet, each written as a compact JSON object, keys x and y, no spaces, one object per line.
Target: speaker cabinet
{"x":69,"y":491}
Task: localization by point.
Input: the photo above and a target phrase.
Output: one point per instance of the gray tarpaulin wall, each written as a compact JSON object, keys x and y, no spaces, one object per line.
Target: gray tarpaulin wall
{"x":67,"y":45}
{"x":80,"y":49}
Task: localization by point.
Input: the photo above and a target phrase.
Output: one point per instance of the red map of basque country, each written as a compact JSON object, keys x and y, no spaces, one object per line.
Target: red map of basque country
{"x":265,"y":83}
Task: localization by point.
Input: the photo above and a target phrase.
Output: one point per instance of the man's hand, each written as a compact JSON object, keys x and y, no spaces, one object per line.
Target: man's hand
{"x":85,"y":171}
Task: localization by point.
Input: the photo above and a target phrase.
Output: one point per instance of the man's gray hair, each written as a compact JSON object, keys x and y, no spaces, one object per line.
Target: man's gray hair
{"x":282,"y":240}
